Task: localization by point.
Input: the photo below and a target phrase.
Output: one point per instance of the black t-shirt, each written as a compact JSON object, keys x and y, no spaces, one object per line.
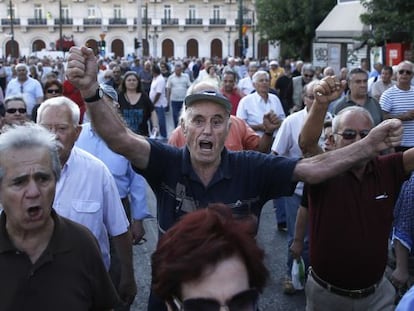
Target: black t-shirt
{"x":136,"y":115}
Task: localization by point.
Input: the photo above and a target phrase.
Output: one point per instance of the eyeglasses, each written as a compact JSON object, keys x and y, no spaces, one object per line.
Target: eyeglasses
{"x":53,"y":91}
{"x":407,"y":72}
{"x":246,"y":301}
{"x":349,"y":134}
{"x":308,"y":76}
{"x":14,"y":110}
{"x":311,"y":97}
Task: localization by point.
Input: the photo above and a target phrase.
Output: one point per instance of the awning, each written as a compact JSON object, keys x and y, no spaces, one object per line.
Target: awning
{"x":342,"y":23}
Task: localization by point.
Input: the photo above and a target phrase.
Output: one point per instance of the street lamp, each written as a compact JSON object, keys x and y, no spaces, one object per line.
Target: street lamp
{"x":12,"y":48}
{"x":229,"y":40}
{"x":154,"y":41}
{"x":60,"y":27}
{"x":240,"y":28}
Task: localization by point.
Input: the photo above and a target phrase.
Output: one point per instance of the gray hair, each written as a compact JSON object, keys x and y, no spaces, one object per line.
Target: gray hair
{"x":30,"y":135}
{"x":311,"y":85}
{"x":16,"y":98}
{"x":259,"y":73}
{"x":337,"y":120}
{"x":308,"y":67}
{"x":58,"y":102}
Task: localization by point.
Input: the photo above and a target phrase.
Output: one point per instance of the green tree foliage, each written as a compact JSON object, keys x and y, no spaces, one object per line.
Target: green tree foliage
{"x":293,"y":23}
{"x":390,"y":20}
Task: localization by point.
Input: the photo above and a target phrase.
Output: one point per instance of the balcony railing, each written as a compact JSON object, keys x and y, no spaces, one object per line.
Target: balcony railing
{"x":169,"y":21}
{"x":246,"y":21}
{"x":117,"y":21}
{"x":194,"y":21}
{"x":144,"y":21}
{"x":37,"y":21}
{"x":217,"y":21}
{"x":65,"y":21}
{"x":92,"y":21}
{"x":6,"y":21}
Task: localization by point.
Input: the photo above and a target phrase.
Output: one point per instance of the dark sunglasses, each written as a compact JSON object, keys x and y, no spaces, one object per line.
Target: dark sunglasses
{"x":408,"y":72}
{"x":351,"y":134}
{"x":246,"y":301}
{"x":308,"y":76}
{"x":52,"y":91}
{"x":14,"y":110}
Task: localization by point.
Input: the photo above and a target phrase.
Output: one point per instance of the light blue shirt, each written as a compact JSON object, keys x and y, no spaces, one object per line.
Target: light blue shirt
{"x":127,"y":181}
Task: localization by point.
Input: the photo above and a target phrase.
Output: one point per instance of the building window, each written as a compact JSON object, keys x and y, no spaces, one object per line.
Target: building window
{"x":144,"y":11}
{"x":216,"y":12}
{"x":192,"y":12}
{"x":38,"y":12}
{"x":11,"y":12}
{"x":65,"y":11}
{"x":91,"y":11}
{"x":167,"y":11}
{"x":117,"y":11}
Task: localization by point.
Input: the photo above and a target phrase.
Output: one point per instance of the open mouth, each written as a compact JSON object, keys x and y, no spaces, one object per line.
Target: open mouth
{"x":206,"y":145}
{"x":34,"y":211}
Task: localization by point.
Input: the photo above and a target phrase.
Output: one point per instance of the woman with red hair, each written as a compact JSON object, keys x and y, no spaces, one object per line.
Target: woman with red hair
{"x":208,"y":260}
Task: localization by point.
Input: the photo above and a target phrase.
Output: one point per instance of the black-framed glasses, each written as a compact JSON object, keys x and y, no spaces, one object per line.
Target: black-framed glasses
{"x":351,"y":134}
{"x":243,"y":301}
{"x":307,"y":76}
{"x":14,"y":110}
{"x":407,"y":72}
{"x":53,"y":91}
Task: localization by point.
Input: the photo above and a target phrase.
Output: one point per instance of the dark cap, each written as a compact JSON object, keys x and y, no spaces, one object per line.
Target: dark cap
{"x":212,"y":96}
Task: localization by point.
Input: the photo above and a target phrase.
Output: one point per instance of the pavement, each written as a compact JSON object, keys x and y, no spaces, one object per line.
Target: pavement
{"x":269,"y":238}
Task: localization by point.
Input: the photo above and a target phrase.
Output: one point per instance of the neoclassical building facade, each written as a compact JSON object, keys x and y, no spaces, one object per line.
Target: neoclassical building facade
{"x":157,"y":28}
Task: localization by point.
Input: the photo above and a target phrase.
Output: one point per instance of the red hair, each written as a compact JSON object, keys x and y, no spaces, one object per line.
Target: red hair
{"x":202,"y":239}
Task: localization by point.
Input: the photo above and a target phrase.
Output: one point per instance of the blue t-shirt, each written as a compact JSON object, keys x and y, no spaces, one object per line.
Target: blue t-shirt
{"x":244,"y":181}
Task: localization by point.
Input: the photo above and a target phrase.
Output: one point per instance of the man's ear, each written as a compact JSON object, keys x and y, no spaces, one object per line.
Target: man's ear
{"x":183,"y":127}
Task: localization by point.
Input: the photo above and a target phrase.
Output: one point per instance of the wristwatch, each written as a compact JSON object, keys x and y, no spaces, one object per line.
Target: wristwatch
{"x":99,"y":94}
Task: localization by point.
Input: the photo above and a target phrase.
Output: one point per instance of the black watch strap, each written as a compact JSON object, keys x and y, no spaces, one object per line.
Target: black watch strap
{"x":99,"y":94}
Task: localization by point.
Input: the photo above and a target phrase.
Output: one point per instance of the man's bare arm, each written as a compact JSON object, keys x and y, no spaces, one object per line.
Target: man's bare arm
{"x":328,"y":90}
{"x":316,"y":169}
{"x":82,"y":72}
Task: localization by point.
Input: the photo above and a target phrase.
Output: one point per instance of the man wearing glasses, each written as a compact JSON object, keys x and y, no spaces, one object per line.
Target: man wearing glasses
{"x":15,"y":110}
{"x":358,"y":95}
{"x":204,"y":171}
{"x":350,"y":215}
{"x":30,"y":89}
{"x":398,"y":102}
{"x":296,"y":87}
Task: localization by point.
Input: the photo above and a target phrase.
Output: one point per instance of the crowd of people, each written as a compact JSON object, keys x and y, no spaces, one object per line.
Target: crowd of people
{"x":332,"y":150}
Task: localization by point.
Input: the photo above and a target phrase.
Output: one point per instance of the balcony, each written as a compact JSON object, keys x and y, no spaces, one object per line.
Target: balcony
{"x":217,"y":21}
{"x":117,"y":21}
{"x":6,"y":21}
{"x":169,"y":21}
{"x":37,"y":21}
{"x":144,"y":21}
{"x":64,"y":21}
{"x":92,"y":21}
{"x":246,"y":21}
{"x":193,"y":21}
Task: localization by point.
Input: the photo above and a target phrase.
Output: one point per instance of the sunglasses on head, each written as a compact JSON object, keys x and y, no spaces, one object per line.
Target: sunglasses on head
{"x":14,"y":110}
{"x":351,"y":134}
{"x":243,"y":301}
{"x":53,"y":91}
{"x":408,"y":72}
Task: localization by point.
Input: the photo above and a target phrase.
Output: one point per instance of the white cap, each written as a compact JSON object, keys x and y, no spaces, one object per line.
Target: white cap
{"x":274,"y":63}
